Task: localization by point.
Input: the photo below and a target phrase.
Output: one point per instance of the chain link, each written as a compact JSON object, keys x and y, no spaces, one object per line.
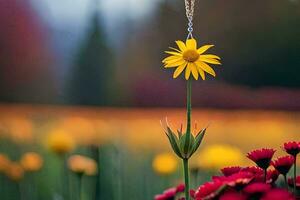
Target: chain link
{"x":189,"y":8}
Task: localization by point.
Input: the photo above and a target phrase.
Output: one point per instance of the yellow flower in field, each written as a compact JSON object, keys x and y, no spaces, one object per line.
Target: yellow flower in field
{"x":164,"y":164}
{"x":31,"y":162}
{"x":191,"y":59}
{"x":60,"y":142}
{"x":217,"y":156}
{"x":82,"y":165}
{"x":15,"y":172}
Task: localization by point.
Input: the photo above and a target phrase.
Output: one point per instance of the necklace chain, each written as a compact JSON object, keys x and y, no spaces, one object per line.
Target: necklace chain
{"x":189,"y":8}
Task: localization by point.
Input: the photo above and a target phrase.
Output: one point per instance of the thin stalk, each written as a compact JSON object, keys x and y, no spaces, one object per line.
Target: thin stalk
{"x":80,"y":187}
{"x":189,"y":110}
{"x":286,"y":183}
{"x":186,"y":178}
{"x":295,"y":173}
{"x":189,"y":107}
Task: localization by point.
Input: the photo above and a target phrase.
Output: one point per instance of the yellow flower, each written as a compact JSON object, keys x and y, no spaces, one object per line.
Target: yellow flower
{"x":82,"y":165}
{"x":191,"y":59}
{"x":164,"y":164}
{"x":217,"y":156}
{"x":31,"y":162}
{"x":60,"y":142}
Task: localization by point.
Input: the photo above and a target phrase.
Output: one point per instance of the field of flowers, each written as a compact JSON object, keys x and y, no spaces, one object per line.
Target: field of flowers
{"x":52,"y":152}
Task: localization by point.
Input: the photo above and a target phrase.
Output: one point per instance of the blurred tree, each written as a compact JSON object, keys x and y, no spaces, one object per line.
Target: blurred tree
{"x":25,"y":56}
{"x":91,"y":81}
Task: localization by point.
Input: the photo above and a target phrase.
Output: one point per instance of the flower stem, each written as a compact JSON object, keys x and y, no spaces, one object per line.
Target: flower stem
{"x":295,"y":173}
{"x":80,"y":187}
{"x":286,"y":183}
{"x":186,"y":178}
{"x":189,"y":106}
{"x":189,"y":110}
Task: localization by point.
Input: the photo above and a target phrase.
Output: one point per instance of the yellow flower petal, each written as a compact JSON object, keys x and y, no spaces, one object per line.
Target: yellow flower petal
{"x":175,"y":49}
{"x":191,"y":44}
{"x":175,"y":64}
{"x":187,"y":72}
{"x":194,"y":70}
{"x":181,"y":45}
{"x":206,"y":68}
{"x":179,"y":70}
{"x":173,"y":53}
{"x":170,"y":58}
{"x":204,"y":48}
{"x":201,"y":72}
{"x":210,"y":56}
{"x":210,"y":60}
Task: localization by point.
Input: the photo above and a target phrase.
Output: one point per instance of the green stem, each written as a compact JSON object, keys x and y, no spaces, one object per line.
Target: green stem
{"x":80,"y":187}
{"x":189,"y":109}
{"x":295,"y":173}
{"x":186,"y":178}
{"x":286,"y":183}
{"x":189,"y":106}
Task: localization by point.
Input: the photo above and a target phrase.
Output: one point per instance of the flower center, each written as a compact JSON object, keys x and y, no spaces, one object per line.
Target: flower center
{"x":190,"y":55}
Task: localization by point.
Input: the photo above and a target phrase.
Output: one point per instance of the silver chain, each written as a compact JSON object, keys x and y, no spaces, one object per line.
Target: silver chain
{"x":189,"y":8}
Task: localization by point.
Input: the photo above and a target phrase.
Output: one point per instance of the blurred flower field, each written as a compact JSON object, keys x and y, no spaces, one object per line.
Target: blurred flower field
{"x":121,"y":153}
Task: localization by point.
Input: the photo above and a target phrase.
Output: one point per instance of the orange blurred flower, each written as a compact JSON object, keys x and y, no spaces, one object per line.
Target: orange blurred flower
{"x":14,"y":172}
{"x":20,"y":130}
{"x":31,"y":162}
{"x":82,"y":165}
{"x":4,"y":162}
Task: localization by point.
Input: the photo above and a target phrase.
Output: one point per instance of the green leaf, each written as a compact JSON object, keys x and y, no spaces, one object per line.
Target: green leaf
{"x":198,"y":140}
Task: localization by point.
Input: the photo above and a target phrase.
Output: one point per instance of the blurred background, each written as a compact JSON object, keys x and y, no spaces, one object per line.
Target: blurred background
{"x":88,"y":73}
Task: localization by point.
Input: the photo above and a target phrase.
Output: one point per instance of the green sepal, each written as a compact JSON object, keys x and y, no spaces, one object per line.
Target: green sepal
{"x":184,"y":147}
{"x":198,"y":140}
{"x":174,"y":142}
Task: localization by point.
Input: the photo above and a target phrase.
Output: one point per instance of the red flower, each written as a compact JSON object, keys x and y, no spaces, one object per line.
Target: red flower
{"x":258,"y":173}
{"x":233,"y":196}
{"x":227,"y":171}
{"x":278,"y":194}
{"x":283,"y":164}
{"x":237,"y":179}
{"x":170,"y":193}
{"x":159,"y":197}
{"x":291,"y":182}
{"x":272,"y":176}
{"x":255,"y":188}
{"x":262,"y":157}
{"x":253,"y":169}
{"x":208,"y":190}
{"x":292,"y":148}
{"x":180,"y":188}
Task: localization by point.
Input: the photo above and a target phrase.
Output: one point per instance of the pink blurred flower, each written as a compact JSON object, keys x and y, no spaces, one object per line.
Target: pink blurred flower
{"x":208,"y":190}
{"x":278,"y":194}
{"x":232,"y":195}
{"x":227,"y":171}
{"x":254,"y":188}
